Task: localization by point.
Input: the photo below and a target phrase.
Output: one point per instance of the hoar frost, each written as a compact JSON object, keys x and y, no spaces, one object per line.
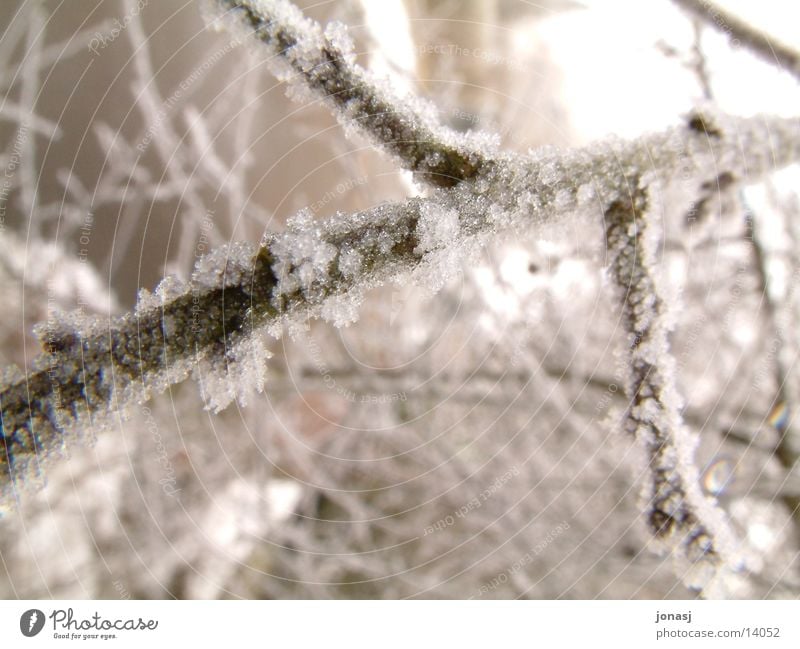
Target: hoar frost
{"x":437,"y":228}
{"x":238,"y":374}
{"x":303,"y":258}
{"x":687,"y":524}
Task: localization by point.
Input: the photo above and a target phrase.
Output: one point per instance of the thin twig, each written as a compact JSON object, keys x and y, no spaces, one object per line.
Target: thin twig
{"x":92,"y":370}
{"x":740,"y":33}
{"x":323,"y":63}
{"x":786,"y":451}
{"x":678,"y":514}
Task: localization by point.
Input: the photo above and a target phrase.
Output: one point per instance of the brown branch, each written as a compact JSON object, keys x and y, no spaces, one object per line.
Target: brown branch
{"x":91,"y":371}
{"x":438,"y":155}
{"x":692,"y":528}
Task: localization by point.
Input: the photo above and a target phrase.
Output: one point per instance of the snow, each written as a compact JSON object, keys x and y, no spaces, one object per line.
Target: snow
{"x":342,"y":310}
{"x":323,"y":268}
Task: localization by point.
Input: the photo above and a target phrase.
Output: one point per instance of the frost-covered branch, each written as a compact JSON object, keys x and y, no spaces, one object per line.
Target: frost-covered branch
{"x":92,"y":370}
{"x":323,"y":63}
{"x":740,"y":33}
{"x":688,"y":523}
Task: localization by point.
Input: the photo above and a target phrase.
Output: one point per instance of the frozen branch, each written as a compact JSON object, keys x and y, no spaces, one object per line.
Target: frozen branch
{"x":324,"y":64}
{"x":691,"y":526}
{"x":93,"y":370}
{"x":740,"y":33}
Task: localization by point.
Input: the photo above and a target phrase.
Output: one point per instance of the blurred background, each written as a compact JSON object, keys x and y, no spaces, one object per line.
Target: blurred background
{"x":462,"y":446}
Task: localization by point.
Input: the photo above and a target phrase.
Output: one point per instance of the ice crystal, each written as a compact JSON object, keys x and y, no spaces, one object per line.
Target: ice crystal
{"x":237,"y":374}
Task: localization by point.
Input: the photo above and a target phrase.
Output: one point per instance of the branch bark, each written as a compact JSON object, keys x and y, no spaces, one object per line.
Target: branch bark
{"x":92,"y":370}
{"x":691,"y":527}
{"x":323,"y":62}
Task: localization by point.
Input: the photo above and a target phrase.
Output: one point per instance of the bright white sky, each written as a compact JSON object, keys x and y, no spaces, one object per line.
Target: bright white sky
{"x":607,"y":58}
{"x":612,"y":77}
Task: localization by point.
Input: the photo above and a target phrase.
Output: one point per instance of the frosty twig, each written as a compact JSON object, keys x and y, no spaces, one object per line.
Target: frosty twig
{"x":90,"y":370}
{"x":740,"y":33}
{"x":323,"y":63}
{"x":677,"y":513}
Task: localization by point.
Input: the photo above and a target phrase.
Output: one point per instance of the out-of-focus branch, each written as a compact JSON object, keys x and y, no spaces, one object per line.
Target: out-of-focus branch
{"x":787,"y":450}
{"x":740,"y":33}
{"x":699,"y":64}
{"x":323,"y":62}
